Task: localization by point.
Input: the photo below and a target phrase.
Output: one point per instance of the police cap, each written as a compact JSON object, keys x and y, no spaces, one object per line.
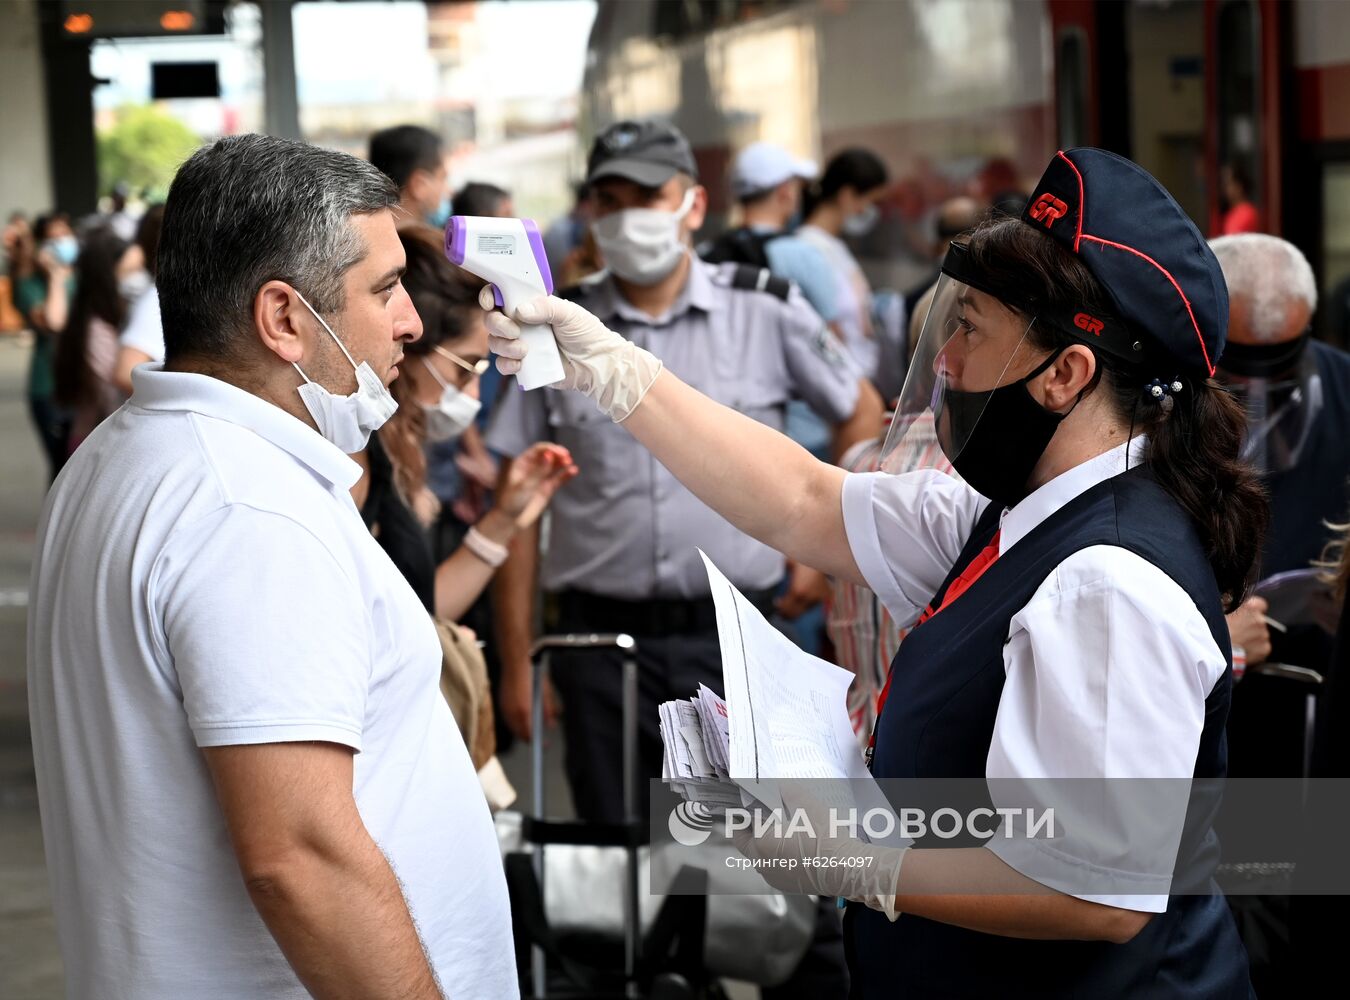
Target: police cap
{"x":648,"y":153}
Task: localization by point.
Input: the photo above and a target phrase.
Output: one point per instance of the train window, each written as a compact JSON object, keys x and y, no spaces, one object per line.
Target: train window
{"x":1238,"y":69}
{"x":1071,"y":76}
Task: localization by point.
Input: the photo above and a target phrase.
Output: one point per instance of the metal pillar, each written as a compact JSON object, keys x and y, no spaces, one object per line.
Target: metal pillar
{"x":70,"y":116}
{"x":281,"y":108}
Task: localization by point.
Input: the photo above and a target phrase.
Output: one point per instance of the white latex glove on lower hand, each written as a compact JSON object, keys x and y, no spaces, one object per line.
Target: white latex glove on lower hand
{"x":823,"y":864}
{"x":596,"y":361}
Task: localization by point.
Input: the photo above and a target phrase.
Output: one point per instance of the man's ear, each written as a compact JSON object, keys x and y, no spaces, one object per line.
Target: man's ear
{"x":276,"y":309}
{"x":426,"y":187}
{"x":698,"y":211}
{"x":1066,"y":379}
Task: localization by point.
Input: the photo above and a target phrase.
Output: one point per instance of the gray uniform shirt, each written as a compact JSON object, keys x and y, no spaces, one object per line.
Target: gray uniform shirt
{"x":625,"y":527}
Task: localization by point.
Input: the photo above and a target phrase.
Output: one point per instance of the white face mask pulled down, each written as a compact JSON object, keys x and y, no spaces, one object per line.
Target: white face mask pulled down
{"x":347,"y":421}
{"x":451,"y":415}
{"x":642,"y":245}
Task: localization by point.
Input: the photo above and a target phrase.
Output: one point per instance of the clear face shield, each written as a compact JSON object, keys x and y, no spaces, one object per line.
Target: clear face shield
{"x":971,"y":344}
{"x":1281,"y":413}
{"x":1281,"y":392}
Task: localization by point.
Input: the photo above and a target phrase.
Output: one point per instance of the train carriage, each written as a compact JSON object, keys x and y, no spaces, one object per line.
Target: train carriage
{"x":974,"y":96}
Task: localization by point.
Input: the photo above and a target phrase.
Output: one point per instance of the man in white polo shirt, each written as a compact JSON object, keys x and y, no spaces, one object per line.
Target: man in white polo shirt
{"x":227,"y":676}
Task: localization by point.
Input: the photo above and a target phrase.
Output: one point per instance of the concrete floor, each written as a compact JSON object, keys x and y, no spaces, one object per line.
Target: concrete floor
{"x":30,"y":964}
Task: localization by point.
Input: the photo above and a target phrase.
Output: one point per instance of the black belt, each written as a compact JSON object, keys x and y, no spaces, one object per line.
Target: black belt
{"x":657,"y":616}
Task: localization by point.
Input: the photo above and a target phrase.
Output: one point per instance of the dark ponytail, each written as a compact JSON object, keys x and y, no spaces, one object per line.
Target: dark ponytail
{"x":1195,"y":434}
{"x":860,"y":169}
{"x":1194,"y":452}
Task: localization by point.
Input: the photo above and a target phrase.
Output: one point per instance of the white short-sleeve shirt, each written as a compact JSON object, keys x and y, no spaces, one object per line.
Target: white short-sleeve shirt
{"x":203,"y":578}
{"x":1107,"y":667}
{"x":144,"y":331}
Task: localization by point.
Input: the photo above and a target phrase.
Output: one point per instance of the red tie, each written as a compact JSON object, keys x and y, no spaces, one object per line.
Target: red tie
{"x":959,"y":586}
{"x":969,"y":575}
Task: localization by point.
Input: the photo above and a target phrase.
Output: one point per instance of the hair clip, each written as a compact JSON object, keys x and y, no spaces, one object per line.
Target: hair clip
{"x":1158,"y":389}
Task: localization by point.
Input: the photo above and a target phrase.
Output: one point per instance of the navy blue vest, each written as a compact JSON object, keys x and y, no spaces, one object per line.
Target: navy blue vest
{"x":938,"y":722}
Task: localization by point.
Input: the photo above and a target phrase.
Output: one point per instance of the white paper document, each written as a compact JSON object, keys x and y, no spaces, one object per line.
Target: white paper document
{"x":788,"y":709}
{"x":785,"y":715}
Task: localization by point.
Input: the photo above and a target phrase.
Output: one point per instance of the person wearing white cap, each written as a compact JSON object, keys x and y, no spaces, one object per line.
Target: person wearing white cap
{"x":767,"y":182}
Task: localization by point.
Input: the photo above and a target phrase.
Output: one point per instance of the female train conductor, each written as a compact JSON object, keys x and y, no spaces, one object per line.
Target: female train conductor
{"x":1070,"y":590}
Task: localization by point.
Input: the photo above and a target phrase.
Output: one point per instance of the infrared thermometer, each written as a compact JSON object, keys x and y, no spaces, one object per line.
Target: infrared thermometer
{"x":510,"y":254}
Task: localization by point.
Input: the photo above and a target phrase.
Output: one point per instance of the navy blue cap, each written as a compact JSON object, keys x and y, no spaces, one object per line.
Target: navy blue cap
{"x":1165,"y":282}
{"x":648,"y":153}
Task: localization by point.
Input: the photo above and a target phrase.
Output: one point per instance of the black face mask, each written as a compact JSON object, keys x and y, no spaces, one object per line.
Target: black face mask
{"x":1005,"y":432}
{"x":1269,"y":361}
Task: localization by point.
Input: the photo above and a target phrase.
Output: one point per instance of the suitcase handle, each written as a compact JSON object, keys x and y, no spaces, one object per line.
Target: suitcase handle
{"x":539,"y":661}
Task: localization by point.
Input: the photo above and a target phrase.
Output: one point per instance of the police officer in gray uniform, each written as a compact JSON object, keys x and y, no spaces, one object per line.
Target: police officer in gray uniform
{"x":622,"y":551}
{"x":622,"y":547}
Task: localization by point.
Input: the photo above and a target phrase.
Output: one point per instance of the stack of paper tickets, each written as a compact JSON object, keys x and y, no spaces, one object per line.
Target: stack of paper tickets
{"x":697,"y":741}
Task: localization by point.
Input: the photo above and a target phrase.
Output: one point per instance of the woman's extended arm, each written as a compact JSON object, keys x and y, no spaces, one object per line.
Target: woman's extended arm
{"x":51,"y":315}
{"x":533,"y":479}
{"x":761,"y":481}
{"x":758,"y":479}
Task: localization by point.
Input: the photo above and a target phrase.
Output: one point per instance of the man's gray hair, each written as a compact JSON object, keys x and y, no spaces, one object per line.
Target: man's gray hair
{"x":251,"y":209}
{"x":1271,"y":273}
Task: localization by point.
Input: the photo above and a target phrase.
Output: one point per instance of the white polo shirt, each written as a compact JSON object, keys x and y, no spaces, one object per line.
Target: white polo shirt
{"x":1107,"y":667}
{"x":202,"y":578}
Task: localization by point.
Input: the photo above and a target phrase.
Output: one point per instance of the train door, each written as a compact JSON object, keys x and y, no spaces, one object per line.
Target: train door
{"x":1185,"y":88}
{"x":1317,"y":179}
{"x":1130,"y":77}
{"x":1245,"y":40}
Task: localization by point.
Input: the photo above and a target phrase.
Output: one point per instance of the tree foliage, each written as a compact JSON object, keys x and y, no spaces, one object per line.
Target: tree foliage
{"x":143,"y":148}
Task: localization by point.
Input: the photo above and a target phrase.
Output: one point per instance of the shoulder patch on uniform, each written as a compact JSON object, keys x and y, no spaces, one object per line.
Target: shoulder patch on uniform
{"x":827,"y":346}
{"x":747,"y":277}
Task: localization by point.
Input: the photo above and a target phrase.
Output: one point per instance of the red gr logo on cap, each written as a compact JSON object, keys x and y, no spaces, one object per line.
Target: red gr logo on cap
{"x":1091,"y":324}
{"x":1047,"y":209}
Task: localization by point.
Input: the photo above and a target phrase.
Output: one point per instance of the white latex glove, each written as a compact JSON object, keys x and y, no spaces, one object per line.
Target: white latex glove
{"x":822,"y":864}
{"x":614,"y":372}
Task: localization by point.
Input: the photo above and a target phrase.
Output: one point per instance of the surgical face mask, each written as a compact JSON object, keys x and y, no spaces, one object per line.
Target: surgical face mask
{"x":66,"y":249}
{"x":441,"y":215}
{"x":347,"y":421}
{"x":452,"y":414}
{"x":134,"y":285}
{"x":862,"y":222}
{"x":642,"y":245}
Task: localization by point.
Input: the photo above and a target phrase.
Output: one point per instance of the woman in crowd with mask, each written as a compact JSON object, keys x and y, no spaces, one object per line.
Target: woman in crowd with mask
{"x":20,"y":260}
{"x":143,"y":338}
{"x":462,"y":471}
{"x":437,"y":397}
{"x":1069,"y":593}
{"x":43,"y":297}
{"x":843,"y":203}
{"x":86,"y":352}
